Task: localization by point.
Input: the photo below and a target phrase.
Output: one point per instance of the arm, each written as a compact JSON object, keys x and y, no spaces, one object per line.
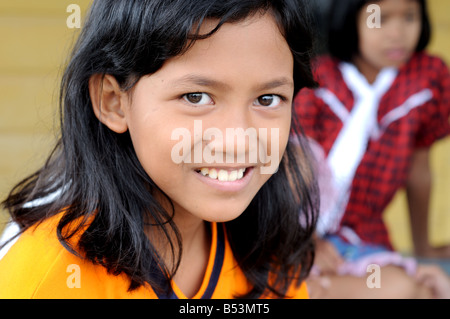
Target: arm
{"x":418,"y":191}
{"x":434,"y":277}
{"x":327,"y":258}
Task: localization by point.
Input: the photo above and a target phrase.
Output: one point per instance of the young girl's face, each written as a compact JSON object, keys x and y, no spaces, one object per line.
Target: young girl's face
{"x":395,"y":42}
{"x":186,"y":114}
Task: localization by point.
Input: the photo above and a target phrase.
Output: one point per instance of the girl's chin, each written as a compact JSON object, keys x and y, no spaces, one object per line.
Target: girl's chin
{"x":221,"y":214}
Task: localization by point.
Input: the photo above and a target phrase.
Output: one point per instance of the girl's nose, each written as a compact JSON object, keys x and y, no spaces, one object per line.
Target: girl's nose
{"x":239,"y":134}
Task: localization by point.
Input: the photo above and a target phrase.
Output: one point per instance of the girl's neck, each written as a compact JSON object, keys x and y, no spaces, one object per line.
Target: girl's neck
{"x":196,"y":240}
{"x":369,"y":71}
{"x":194,"y":260}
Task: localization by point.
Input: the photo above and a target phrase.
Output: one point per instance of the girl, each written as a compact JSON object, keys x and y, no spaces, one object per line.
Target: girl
{"x":381,"y":104}
{"x":115,"y":213}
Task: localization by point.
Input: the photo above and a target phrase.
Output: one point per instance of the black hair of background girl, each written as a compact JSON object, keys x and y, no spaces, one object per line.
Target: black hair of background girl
{"x":342,"y":34}
{"x":105,"y":192}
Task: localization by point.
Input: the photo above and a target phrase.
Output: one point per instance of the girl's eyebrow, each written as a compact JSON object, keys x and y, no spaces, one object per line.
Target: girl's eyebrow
{"x":201,"y":80}
{"x":276,"y":83}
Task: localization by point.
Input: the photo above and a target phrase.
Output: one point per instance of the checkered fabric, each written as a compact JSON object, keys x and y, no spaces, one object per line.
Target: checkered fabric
{"x":404,"y":127}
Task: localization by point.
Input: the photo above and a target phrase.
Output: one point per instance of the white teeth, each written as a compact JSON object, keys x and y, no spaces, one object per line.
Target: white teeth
{"x":212,"y":173}
{"x":223,"y":175}
{"x":232,"y":176}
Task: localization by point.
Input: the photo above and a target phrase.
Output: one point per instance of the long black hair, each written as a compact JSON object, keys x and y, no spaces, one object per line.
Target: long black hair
{"x":342,"y":35}
{"x":95,"y":181}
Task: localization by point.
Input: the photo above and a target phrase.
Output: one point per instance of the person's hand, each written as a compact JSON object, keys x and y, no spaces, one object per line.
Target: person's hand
{"x":327,"y":258}
{"x":317,"y":286}
{"x":436,"y":279}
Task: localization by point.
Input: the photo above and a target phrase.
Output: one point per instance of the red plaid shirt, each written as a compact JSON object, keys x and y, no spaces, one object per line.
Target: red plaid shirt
{"x":385,"y":165}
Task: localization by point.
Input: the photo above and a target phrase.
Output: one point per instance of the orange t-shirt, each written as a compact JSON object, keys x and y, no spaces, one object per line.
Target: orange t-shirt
{"x":38,"y":266}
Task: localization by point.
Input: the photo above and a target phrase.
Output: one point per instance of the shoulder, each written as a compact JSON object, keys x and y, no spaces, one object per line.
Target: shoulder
{"x":426,"y":64}
{"x":28,"y":261}
{"x":423,"y":72}
{"x":428,"y":58}
{"x":431,"y":72}
{"x":324,"y":67}
{"x":39,"y":266}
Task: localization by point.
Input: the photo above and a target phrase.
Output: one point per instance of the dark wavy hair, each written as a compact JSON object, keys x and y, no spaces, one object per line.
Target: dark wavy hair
{"x":95,"y":181}
{"x":342,"y":34}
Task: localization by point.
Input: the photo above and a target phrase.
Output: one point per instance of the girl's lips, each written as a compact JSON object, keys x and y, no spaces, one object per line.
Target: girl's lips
{"x":397,"y":54}
{"x":224,"y":184}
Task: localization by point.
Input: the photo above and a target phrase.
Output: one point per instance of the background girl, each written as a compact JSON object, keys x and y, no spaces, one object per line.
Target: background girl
{"x":381,"y":104}
{"x":111,"y":205}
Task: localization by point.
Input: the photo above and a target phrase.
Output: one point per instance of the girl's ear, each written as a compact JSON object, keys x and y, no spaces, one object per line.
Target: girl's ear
{"x":108,"y":102}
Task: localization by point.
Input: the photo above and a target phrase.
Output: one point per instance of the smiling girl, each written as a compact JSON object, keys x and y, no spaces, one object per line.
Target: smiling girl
{"x":112,"y":203}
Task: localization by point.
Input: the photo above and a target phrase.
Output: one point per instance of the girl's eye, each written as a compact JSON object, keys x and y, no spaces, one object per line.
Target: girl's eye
{"x":198,"y":98}
{"x":410,"y":17}
{"x":270,"y":100}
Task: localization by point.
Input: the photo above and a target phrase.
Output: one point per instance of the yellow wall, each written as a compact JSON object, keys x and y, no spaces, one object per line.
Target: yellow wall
{"x":35,"y":43}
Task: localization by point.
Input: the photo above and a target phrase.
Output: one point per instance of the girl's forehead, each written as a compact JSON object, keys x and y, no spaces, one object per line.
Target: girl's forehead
{"x":396,"y":3}
{"x":255,"y":33}
{"x":265,"y":22}
{"x":248,"y":53}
